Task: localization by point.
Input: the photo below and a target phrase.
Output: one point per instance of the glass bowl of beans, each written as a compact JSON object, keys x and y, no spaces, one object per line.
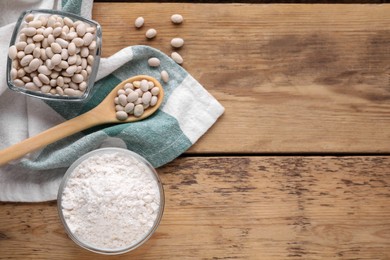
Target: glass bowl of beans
{"x":110,"y":201}
{"x":54,"y":55}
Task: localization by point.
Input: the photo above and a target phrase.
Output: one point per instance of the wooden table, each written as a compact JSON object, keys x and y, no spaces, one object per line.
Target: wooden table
{"x":298,"y":167}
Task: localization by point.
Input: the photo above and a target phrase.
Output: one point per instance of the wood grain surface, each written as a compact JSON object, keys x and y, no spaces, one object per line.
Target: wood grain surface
{"x":240,"y":208}
{"x":299,"y":79}
{"x":293,"y":78}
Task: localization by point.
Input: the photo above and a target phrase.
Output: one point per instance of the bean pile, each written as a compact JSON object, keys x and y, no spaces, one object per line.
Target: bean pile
{"x":53,"y":55}
{"x":134,"y":98}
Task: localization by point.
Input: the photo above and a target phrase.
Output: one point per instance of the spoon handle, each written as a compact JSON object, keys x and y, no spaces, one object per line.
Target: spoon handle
{"x":49,"y":136}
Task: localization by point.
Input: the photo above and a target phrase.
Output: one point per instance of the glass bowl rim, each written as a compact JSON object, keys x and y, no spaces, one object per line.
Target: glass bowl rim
{"x":95,"y":66}
{"x":106,"y":251}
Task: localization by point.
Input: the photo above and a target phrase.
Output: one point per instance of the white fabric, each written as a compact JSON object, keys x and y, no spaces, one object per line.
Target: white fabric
{"x":193,"y":125}
{"x":22,"y":117}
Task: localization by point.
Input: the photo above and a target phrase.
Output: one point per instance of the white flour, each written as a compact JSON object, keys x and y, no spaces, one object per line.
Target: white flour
{"x":111,"y":201}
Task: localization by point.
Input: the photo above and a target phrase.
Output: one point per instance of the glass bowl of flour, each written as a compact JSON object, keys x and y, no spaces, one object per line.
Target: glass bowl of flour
{"x":110,"y":201}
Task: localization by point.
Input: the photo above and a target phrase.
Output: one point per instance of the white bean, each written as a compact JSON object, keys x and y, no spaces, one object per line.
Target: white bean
{"x":47,"y":31}
{"x":36,"y":24}
{"x":88,"y":38}
{"x":151,"y":84}
{"x":78,"y":42}
{"x":20,"y":54}
{"x":153,"y":101}
{"x":43,"y":20}
{"x":151,"y":33}
{"x":122,"y":99}
{"x":45,"y":88}
{"x":37,"y":81}
{"x":49,"y":65}
{"x":72,"y":48}
{"x":133,"y":96}
{"x":69,"y":92}
{"x":37,"y":52}
{"x":38,"y":38}
{"x":12,"y":52}
{"x":129,"y":107}
{"x":31,"y":86}
{"x":138,"y":110}
{"x":146,"y":97}
{"x":43,"y":78}
{"x":21,"y":72}
{"x":177,"y":19}
{"x":18,"y":83}
{"x":90,"y":59}
{"x":136,"y":83}
{"x":71,"y":69}
{"x":49,"y":52}
{"x":29,"y":31}
{"x":139,"y":22}
{"x":73,"y":85}
{"x":29,"y":48}
{"x":164,"y":76}
{"x":128,"y":86}
{"x":81,"y":29}
{"x":26,"y":60}
{"x":57,"y":31}
{"x":60,"y":91}
{"x":77,"y":78}
{"x":56,"y":59}
{"x":177,"y":42}
{"x":121,"y":115}
{"x":63,"y":43}
{"x":20,"y":45}
{"x":119,"y":108}
{"x":154,"y":62}
{"x":53,"y":83}
{"x":63,"y":65}
{"x":29,"y":18}
{"x":139,"y":92}
{"x":14,"y":73}
{"x":34,"y":64}
{"x":40,"y":31}
{"x":72,"y":59}
{"x":71,"y":35}
{"x":55,"y":47}
{"x":92,"y":46}
{"x":44,"y":70}
{"x":83,"y":86}
{"x":155,"y":91}
{"x":177,"y":58}
{"x":60,"y":81}
{"x":50,"y":39}
{"x":68,"y":22}
{"x":84,"y":52}
{"x":65,"y":30}
{"x":144,"y":86}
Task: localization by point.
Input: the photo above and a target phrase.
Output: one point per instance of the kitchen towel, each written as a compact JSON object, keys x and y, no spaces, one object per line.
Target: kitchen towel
{"x":187,"y":112}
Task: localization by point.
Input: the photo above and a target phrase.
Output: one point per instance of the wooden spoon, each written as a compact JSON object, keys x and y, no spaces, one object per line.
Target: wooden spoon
{"x":102,"y":114}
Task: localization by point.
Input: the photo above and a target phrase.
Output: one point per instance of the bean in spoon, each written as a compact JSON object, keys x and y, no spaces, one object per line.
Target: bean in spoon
{"x":102,"y":114}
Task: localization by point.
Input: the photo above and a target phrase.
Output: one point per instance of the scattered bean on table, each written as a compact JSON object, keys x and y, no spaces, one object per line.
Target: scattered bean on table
{"x":177,"y":42}
{"x":177,"y":19}
{"x":139,"y":22}
{"x":151,"y":33}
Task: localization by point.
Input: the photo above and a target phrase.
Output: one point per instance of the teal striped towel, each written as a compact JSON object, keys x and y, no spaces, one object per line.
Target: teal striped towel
{"x":187,"y":112}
